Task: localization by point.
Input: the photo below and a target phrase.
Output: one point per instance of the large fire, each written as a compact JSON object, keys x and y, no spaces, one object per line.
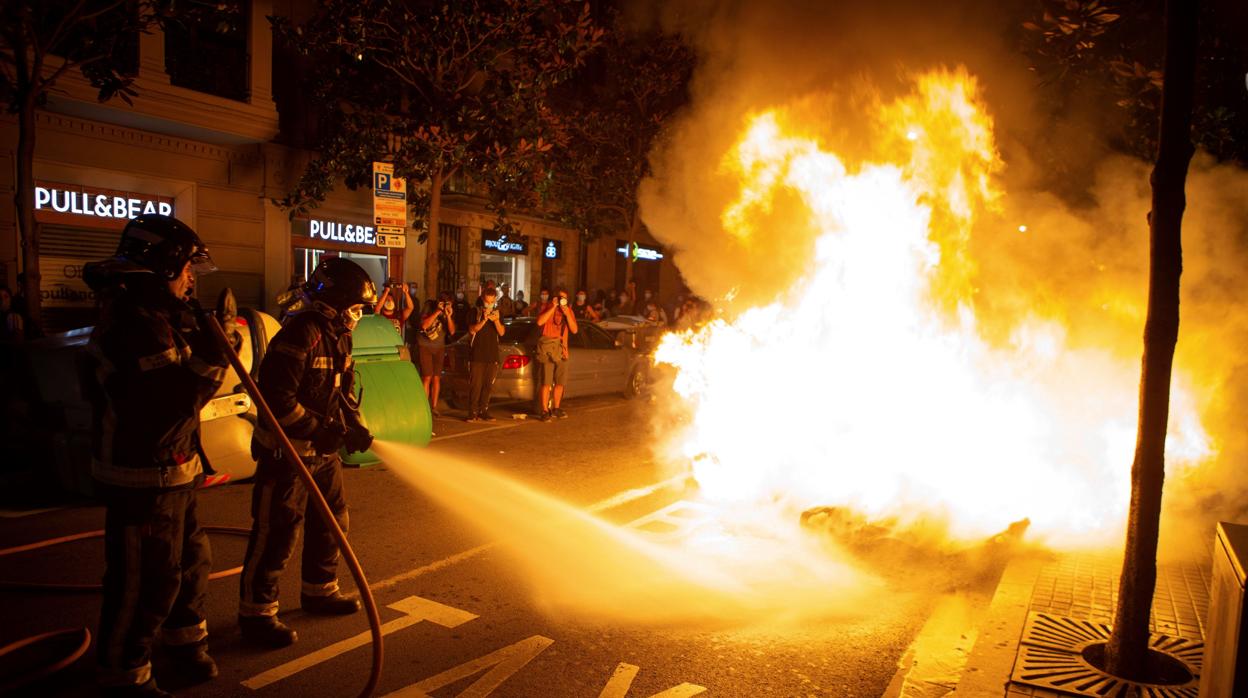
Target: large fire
{"x":870,"y":383}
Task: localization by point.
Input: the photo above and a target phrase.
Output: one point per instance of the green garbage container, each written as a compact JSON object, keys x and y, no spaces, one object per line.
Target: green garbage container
{"x":393,"y":400}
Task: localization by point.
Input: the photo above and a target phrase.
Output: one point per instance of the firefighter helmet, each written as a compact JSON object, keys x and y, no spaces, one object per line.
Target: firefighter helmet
{"x":163,"y":244}
{"x":340,"y":284}
{"x":150,"y":244}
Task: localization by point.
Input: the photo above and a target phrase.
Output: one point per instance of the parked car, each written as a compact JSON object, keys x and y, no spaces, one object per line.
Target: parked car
{"x":633,"y":331}
{"x":600,"y":365}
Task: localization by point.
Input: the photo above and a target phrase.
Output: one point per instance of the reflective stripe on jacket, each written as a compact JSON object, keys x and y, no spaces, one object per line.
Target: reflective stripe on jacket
{"x":147,"y":386}
{"x":306,"y":362}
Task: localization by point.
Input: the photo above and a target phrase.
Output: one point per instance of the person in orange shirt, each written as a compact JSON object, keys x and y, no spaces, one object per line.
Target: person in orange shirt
{"x":556,"y":320}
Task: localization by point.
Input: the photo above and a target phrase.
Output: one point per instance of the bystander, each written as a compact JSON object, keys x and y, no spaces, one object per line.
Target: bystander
{"x":483,"y":365}
{"x":437,"y":322}
{"x":556,"y":320}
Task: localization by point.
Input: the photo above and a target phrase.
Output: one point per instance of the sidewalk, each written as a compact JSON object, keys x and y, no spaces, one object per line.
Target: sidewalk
{"x":1082,"y":587}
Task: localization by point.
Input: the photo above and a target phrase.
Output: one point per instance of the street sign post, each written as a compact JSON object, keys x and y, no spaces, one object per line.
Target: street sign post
{"x":389,"y":206}
{"x":391,"y":240}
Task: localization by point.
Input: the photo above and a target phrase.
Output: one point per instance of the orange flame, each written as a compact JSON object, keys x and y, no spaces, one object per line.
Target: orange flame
{"x":869,"y":384}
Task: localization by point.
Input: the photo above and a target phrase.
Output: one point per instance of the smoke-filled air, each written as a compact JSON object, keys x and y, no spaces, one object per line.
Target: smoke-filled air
{"x":907,"y":326}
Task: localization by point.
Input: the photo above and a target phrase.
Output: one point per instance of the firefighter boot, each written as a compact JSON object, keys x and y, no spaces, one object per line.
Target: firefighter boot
{"x":192,"y":662}
{"x":267,"y":631}
{"x":334,"y":604}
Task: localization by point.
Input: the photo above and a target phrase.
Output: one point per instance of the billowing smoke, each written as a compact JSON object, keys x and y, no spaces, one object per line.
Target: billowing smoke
{"x":1036,"y":256}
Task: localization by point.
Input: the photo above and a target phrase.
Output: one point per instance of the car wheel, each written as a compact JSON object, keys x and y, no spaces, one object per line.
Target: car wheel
{"x":636,"y":384}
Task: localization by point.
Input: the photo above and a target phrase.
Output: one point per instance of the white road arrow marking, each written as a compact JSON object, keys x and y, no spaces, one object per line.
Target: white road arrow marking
{"x":622,"y":679}
{"x":415,"y":610}
{"x":501,"y":663}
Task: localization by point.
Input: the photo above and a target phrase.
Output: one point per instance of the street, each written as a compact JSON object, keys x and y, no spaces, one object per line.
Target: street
{"x":457,"y":613}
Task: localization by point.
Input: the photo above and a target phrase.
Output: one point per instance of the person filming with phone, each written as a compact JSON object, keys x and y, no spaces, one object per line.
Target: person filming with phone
{"x":483,"y":365}
{"x":556,"y":320}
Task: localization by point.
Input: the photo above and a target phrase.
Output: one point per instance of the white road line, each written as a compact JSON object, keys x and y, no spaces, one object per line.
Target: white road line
{"x":474,"y":432}
{"x":517,"y":423}
{"x":611,"y":502}
{"x":622,"y":680}
{"x":498,"y":665}
{"x":431,"y":567}
{"x":415,"y":610}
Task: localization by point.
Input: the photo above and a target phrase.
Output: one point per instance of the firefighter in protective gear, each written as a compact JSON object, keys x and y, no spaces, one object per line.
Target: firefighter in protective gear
{"x":150,"y":367}
{"x":306,"y":376}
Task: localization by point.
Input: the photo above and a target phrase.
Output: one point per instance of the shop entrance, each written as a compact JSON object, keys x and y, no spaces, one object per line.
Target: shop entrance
{"x":306,"y":259}
{"x":506,"y":269}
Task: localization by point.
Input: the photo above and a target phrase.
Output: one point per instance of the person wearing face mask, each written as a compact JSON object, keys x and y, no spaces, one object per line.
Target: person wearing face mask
{"x":306,"y":376}
{"x":582,"y":309}
{"x":391,"y":309}
{"x":483,"y":361}
{"x":557,"y":321}
{"x":543,"y":298}
{"x":149,"y":368}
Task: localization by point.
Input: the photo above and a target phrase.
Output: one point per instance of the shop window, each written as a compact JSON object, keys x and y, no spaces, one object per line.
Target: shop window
{"x":207,"y":52}
{"x":450,"y":249}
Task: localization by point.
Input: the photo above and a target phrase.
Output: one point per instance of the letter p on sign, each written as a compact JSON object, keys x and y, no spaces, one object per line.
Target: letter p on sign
{"x":381,"y":181}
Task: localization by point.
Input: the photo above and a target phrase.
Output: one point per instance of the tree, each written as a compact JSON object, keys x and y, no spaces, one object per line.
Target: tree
{"x":1127,"y":651}
{"x":1108,"y":53}
{"x":438,"y":89}
{"x":618,"y":110}
{"x":40,"y":42}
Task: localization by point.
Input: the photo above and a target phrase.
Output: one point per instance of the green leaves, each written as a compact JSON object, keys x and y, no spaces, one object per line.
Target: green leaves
{"x":440,"y":87}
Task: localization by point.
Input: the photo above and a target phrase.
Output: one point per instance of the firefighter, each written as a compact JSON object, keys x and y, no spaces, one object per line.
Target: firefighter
{"x":150,"y":367}
{"x":306,"y":376}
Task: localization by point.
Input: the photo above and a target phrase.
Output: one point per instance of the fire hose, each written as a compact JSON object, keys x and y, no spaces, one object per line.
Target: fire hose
{"x":314,"y":496}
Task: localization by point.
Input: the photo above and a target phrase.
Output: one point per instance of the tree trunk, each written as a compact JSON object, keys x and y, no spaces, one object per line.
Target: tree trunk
{"x":1127,"y":653}
{"x":24,"y":202}
{"x":432,"y":238}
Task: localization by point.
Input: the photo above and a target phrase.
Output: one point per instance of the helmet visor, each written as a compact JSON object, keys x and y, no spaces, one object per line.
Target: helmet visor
{"x":201,"y":262}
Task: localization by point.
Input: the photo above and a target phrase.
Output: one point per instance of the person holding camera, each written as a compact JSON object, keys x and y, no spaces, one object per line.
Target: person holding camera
{"x":483,"y":364}
{"x":390,"y":307}
{"x":306,"y":377}
{"x":556,"y":320}
{"x":436,"y":324}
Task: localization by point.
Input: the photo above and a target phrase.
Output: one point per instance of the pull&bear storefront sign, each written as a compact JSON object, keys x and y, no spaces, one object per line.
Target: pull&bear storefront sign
{"x":335,"y":231}
{"x":75,"y":205}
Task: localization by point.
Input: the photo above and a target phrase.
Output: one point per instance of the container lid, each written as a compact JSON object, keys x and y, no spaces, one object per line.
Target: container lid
{"x":375,"y":336}
{"x":1233,"y":538}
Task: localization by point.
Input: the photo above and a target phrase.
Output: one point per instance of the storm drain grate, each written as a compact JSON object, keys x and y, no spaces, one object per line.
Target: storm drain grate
{"x":1051,"y":656}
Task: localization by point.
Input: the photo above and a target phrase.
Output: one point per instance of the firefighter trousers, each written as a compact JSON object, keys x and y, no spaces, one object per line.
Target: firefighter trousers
{"x":157,"y":561}
{"x":279,"y":508}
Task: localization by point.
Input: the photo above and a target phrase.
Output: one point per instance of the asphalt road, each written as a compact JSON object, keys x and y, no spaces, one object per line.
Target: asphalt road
{"x":462,"y":619}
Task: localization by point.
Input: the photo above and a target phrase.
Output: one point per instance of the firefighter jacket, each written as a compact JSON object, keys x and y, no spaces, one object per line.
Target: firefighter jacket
{"x":148,"y":370}
{"x":307,"y":376}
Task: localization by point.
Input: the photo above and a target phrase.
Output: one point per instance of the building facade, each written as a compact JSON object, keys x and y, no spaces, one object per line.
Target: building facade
{"x":203,"y":141}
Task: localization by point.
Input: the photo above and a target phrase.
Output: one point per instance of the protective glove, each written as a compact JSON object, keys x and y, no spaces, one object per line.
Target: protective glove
{"x":358,"y":440}
{"x":329,"y":439}
{"x":203,"y":341}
